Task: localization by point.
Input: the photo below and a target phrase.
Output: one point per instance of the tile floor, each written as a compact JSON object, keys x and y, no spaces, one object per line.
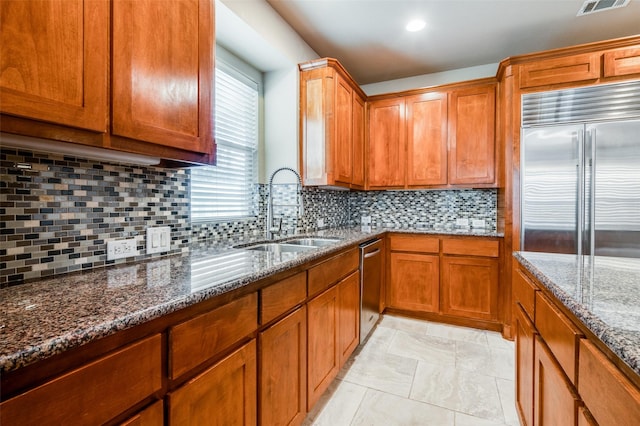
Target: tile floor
{"x":414,"y":372}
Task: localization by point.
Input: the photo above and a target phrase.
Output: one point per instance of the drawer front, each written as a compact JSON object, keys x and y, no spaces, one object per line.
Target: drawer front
{"x":560,"y":70}
{"x":331,"y":271}
{"x":471,"y":247}
{"x":622,"y":62}
{"x":198,"y":339}
{"x":585,"y":418}
{"x":278,"y":298}
{"x":524,"y":291}
{"x":417,"y":243}
{"x":95,"y":392}
{"x":559,"y":333}
{"x":150,"y":416}
{"x":610,"y":397}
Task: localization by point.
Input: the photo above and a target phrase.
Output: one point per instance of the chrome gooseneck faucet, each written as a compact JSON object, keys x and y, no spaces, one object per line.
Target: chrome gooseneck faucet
{"x":271,"y":228}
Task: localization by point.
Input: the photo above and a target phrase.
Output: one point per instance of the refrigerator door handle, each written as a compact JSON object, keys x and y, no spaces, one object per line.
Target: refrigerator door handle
{"x":592,"y":195}
{"x":580,"y":207}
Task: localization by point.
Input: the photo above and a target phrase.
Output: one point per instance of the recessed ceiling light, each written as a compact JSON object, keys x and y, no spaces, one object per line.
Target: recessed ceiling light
{"x":415,"y":25}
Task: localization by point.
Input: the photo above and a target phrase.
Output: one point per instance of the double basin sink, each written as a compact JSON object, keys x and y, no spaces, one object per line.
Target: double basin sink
{"x":294,"y":245}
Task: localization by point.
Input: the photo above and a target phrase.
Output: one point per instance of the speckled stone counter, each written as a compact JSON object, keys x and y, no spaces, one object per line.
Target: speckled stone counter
{"x":602,"y":292}
{"x":47,"y":317}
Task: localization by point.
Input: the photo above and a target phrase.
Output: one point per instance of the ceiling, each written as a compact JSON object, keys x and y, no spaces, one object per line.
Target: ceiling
{"x":369,"y":39}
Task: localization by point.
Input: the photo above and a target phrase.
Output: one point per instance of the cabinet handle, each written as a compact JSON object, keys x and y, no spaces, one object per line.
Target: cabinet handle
{"x":373,"y":253}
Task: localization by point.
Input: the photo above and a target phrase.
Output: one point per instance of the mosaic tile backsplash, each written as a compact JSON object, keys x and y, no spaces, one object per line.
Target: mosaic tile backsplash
{"x":57,"y":216}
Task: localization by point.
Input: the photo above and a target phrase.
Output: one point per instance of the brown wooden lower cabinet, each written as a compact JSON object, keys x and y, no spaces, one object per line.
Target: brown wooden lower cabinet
{"x":225,"y":394}
{"x":283,"y":371}
{"x":348,"y":316}
{"x":153,"y":415}
{"x":555,"y":400}
{"x":525,"y":336}
{"x":95,"y":393}
{"x":414,"y":282}
{"x":470,"y":287}
{"x":323,"y":350}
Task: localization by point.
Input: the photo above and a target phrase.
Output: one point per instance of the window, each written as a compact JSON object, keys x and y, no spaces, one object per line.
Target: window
{"x":225,"y":191}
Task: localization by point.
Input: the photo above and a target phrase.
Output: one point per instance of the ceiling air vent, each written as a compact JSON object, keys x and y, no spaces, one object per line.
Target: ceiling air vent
{"x":593,"y":6}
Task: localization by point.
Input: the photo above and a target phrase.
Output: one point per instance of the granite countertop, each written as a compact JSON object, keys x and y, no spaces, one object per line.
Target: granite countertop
{"x":602,"y":292}
{"x":49,"y":316}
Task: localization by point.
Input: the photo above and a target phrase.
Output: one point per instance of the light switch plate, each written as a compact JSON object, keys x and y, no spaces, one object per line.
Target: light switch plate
{"x":478,"y":223}
{"x":462,"y":221}
{"x":158,"y":239}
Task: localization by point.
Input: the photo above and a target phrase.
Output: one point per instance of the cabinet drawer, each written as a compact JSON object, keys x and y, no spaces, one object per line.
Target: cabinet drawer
{"x":198,"y":339}
{"x":610,"y":397}
{"x":94,"y":393}
{"x":585,"y":418}
{"x":331,"y":271}
{"x":278,"y":298}
{"x":150,"y":416}
{"x":559,"y":333}
{"x":417,"y":243}
{"x":622,"y":62}
{"x":471,"y":247}
{"x":560,"y":70}
{"x":524,"y":291}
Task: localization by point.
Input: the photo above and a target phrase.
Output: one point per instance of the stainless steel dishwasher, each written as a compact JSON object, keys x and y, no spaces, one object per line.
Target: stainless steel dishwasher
{"x":370,"y":280}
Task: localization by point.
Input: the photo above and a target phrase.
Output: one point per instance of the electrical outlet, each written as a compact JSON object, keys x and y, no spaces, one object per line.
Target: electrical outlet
{"x":463,"y":222}
{"x":119,"y":249}
{"x":320,"y":223}
{"x":365,"y":220}
{"x":478,"y":223}
{"x":158,"y":239}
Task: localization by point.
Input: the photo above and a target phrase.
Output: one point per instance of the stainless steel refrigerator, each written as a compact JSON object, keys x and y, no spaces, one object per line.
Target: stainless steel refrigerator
{"x":580,"y":171}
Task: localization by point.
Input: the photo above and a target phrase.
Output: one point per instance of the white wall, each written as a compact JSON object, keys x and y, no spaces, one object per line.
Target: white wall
{"x":274,"y":47}
{"x":435,"y":79}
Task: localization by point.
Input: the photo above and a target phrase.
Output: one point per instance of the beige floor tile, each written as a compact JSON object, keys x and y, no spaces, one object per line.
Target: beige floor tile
{"x":457,"y":333}
{"x":379,"y":370}
{"x":380,"y":408}
{"x":485,"y":360}
{"x":507,"y":391}
{"x":404,"y":324}
{"x":435,"y":350}
{"x":496,"y":340}
{"x":337,"y":406}
{"x":458,"y":390}
{"x":467,"y":420}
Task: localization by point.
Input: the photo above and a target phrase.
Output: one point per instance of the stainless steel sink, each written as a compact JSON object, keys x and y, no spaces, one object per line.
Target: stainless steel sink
{"x":313,"y":241}
{"x":281,"y":247}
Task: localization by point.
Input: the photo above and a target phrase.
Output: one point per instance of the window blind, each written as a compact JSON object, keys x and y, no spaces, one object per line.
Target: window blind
{"x":225,"y":191}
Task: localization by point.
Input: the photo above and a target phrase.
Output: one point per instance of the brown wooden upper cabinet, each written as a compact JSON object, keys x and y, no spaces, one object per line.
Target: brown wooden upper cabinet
{"x":622,"y":62}
{"x":433,"y":139}
{"x":567,"y":69}
{"x":54,"y":58}
{"x":331,"y":126}
{"x":472,"y":150}
{"x":57,"y":70}
{"x":386,"y":153}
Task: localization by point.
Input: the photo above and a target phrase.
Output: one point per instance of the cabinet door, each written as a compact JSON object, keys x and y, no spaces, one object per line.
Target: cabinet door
{"x":283,"y":371}
{"x":357,"y":178}
{"x":555,"y":400}
{"x":150,"y":416}
{"x":387,"y":141}
{"x":525,"y":341}
{"x":427,"y":139}
{"x":163,"y":78}
{"x":54,"y":59}
{"x":622,"y":62}
{"x":349,"y":315}
{"x":560,"y":70}
{"x":414,"y":282}
{"x":225,"y":394}
{"x":323,"y":357}
{"x":342,"y":148}
{"x":472,"y":135}
{"x":470,"y":287}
